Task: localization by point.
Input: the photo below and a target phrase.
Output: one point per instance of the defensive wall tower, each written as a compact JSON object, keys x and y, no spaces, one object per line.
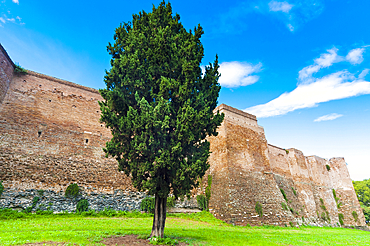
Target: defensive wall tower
{"x":50,"y":136}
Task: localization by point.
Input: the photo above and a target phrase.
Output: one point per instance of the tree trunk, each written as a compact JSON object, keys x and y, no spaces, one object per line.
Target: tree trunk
{"x":159,"y":216}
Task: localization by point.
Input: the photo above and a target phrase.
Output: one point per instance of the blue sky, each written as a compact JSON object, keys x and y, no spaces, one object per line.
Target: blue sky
{"x":300,"y":66}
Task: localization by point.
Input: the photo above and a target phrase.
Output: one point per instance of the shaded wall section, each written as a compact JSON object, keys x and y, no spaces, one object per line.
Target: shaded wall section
{"x":6,"y":72}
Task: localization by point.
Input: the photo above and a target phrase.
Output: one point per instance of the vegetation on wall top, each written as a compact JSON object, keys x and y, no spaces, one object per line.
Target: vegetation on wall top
{"x":18,"y":70}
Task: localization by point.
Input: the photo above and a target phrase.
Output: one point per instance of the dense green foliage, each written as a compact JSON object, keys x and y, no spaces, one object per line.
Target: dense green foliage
{"x":82,"y":206}
{"x":148,"y":203}
{"x":72,"y":191}
{"x":1,"y":188}
{"x":202,"y":202}
{"x":362,"y":189}
{"x":194,"y":229}
{"x":158,"y":104}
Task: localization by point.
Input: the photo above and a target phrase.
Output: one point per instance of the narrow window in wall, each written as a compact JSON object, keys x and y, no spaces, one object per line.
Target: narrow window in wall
{"x":87,"y":140}
{"x":39,"y":133}
{"x":49,"y":100}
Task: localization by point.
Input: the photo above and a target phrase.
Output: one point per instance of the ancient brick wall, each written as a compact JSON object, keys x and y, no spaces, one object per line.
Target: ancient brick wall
{"x":50,"y":136}
{"x":6,"y":72}
{"x":247,"y":170}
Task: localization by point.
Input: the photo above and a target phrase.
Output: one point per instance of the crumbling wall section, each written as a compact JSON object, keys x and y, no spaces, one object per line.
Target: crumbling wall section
{"x":6,"y":72}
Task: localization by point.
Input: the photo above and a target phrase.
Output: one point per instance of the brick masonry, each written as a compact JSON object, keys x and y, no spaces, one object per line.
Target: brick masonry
{"x":50,"y":136}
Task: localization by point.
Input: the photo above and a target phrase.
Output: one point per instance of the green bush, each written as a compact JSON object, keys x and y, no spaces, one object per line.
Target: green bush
{"x":327,"y":167}
{"x":82,"y":206}
{"x":163,"y":241}
{"x":170,"y":202}
{"x":1,"y":188}
{"x":72,"y":191}
{"x":41,"y":192}
{"x":202,"y":202}
{"x":148,"y":204}
{"x":355,"y":215}
{"x":258,"y":208}
{"x":341,"y":218}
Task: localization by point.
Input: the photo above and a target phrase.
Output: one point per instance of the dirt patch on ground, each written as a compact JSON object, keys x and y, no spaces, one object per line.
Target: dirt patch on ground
{"x":128,"y":240}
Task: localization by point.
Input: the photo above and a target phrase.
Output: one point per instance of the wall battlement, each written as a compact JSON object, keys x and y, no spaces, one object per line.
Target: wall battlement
{"x":50,"y":136}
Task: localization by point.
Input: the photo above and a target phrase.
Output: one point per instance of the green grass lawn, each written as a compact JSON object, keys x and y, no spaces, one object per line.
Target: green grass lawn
{"x":196,"y":229}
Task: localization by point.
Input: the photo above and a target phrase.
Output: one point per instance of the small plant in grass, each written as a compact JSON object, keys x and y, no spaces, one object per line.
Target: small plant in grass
{"x":294,"y":191}
{"x":18,"y":70}
{"x":285,"y":207}
{"x":163,"y":241}
{"x":72,"y":191}
{"x":258,"y":208}
{"x":1,"y":188}
{"x":341,"y":218}
{"x":82,"y":206}
{"x":355,"y":215}
{"x":327,"y":167}
{"x":147,"y":204}
{"x":284,"y":195}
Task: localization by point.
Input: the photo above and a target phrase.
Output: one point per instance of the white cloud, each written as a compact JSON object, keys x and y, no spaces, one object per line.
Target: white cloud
{"x":325,"y":60}
{"x":328,"y":117}
{"x":363,"y":73}
{"x":280,"y":6}
{"x":235,"y":74}
{"x":16,"y":1}
{"x":291,"y":28}
{"x":331,"y":87}
{"x":355,"y":56}
{"x":2,"y":20}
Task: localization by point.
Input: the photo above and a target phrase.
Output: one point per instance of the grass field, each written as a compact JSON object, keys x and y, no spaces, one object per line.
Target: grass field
{"x":196,"y":229}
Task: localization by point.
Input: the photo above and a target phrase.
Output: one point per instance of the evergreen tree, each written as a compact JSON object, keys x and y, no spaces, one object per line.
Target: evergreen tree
{"x":159,"y":107}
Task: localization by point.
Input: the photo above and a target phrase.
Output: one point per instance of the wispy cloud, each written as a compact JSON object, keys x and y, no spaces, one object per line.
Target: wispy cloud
{"x":355,"y":56}
{"x":235,"y":74}
{"x":16,"y":1}
{"x":2,"y":20}
{"x":280,"y":6}
{"x":363,"y":74}
{"x":328,"y":117}
{"x":325,"y":60}
{"x":312,"y":91}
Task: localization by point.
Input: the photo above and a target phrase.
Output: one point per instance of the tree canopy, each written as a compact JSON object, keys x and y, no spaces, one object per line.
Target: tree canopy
{"x":362,"y":189}
{"x":159,"y":105}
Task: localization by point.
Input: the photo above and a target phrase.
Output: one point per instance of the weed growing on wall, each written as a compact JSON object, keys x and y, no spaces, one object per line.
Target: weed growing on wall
{"x":341,"y":218}
{"x":41,"y":193}
{"x":285,"y":207}
{"x":327,"y":167}
{"x":1,"y":188}
{"x":324,"y":215}
{"x":18,"y":70}
{"x":294,"y":191}
{"x":355,"y":215}
{"x":202,"y":202}
{"x":258,"y":208}
{"x":72,"y":191}
{"x":339,"y":204}
{"x":35,"y":200}
{"x":284,"y":195}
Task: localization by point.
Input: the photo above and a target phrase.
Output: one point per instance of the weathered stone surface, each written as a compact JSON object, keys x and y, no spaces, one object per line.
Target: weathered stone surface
{"x":50,"y":137}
